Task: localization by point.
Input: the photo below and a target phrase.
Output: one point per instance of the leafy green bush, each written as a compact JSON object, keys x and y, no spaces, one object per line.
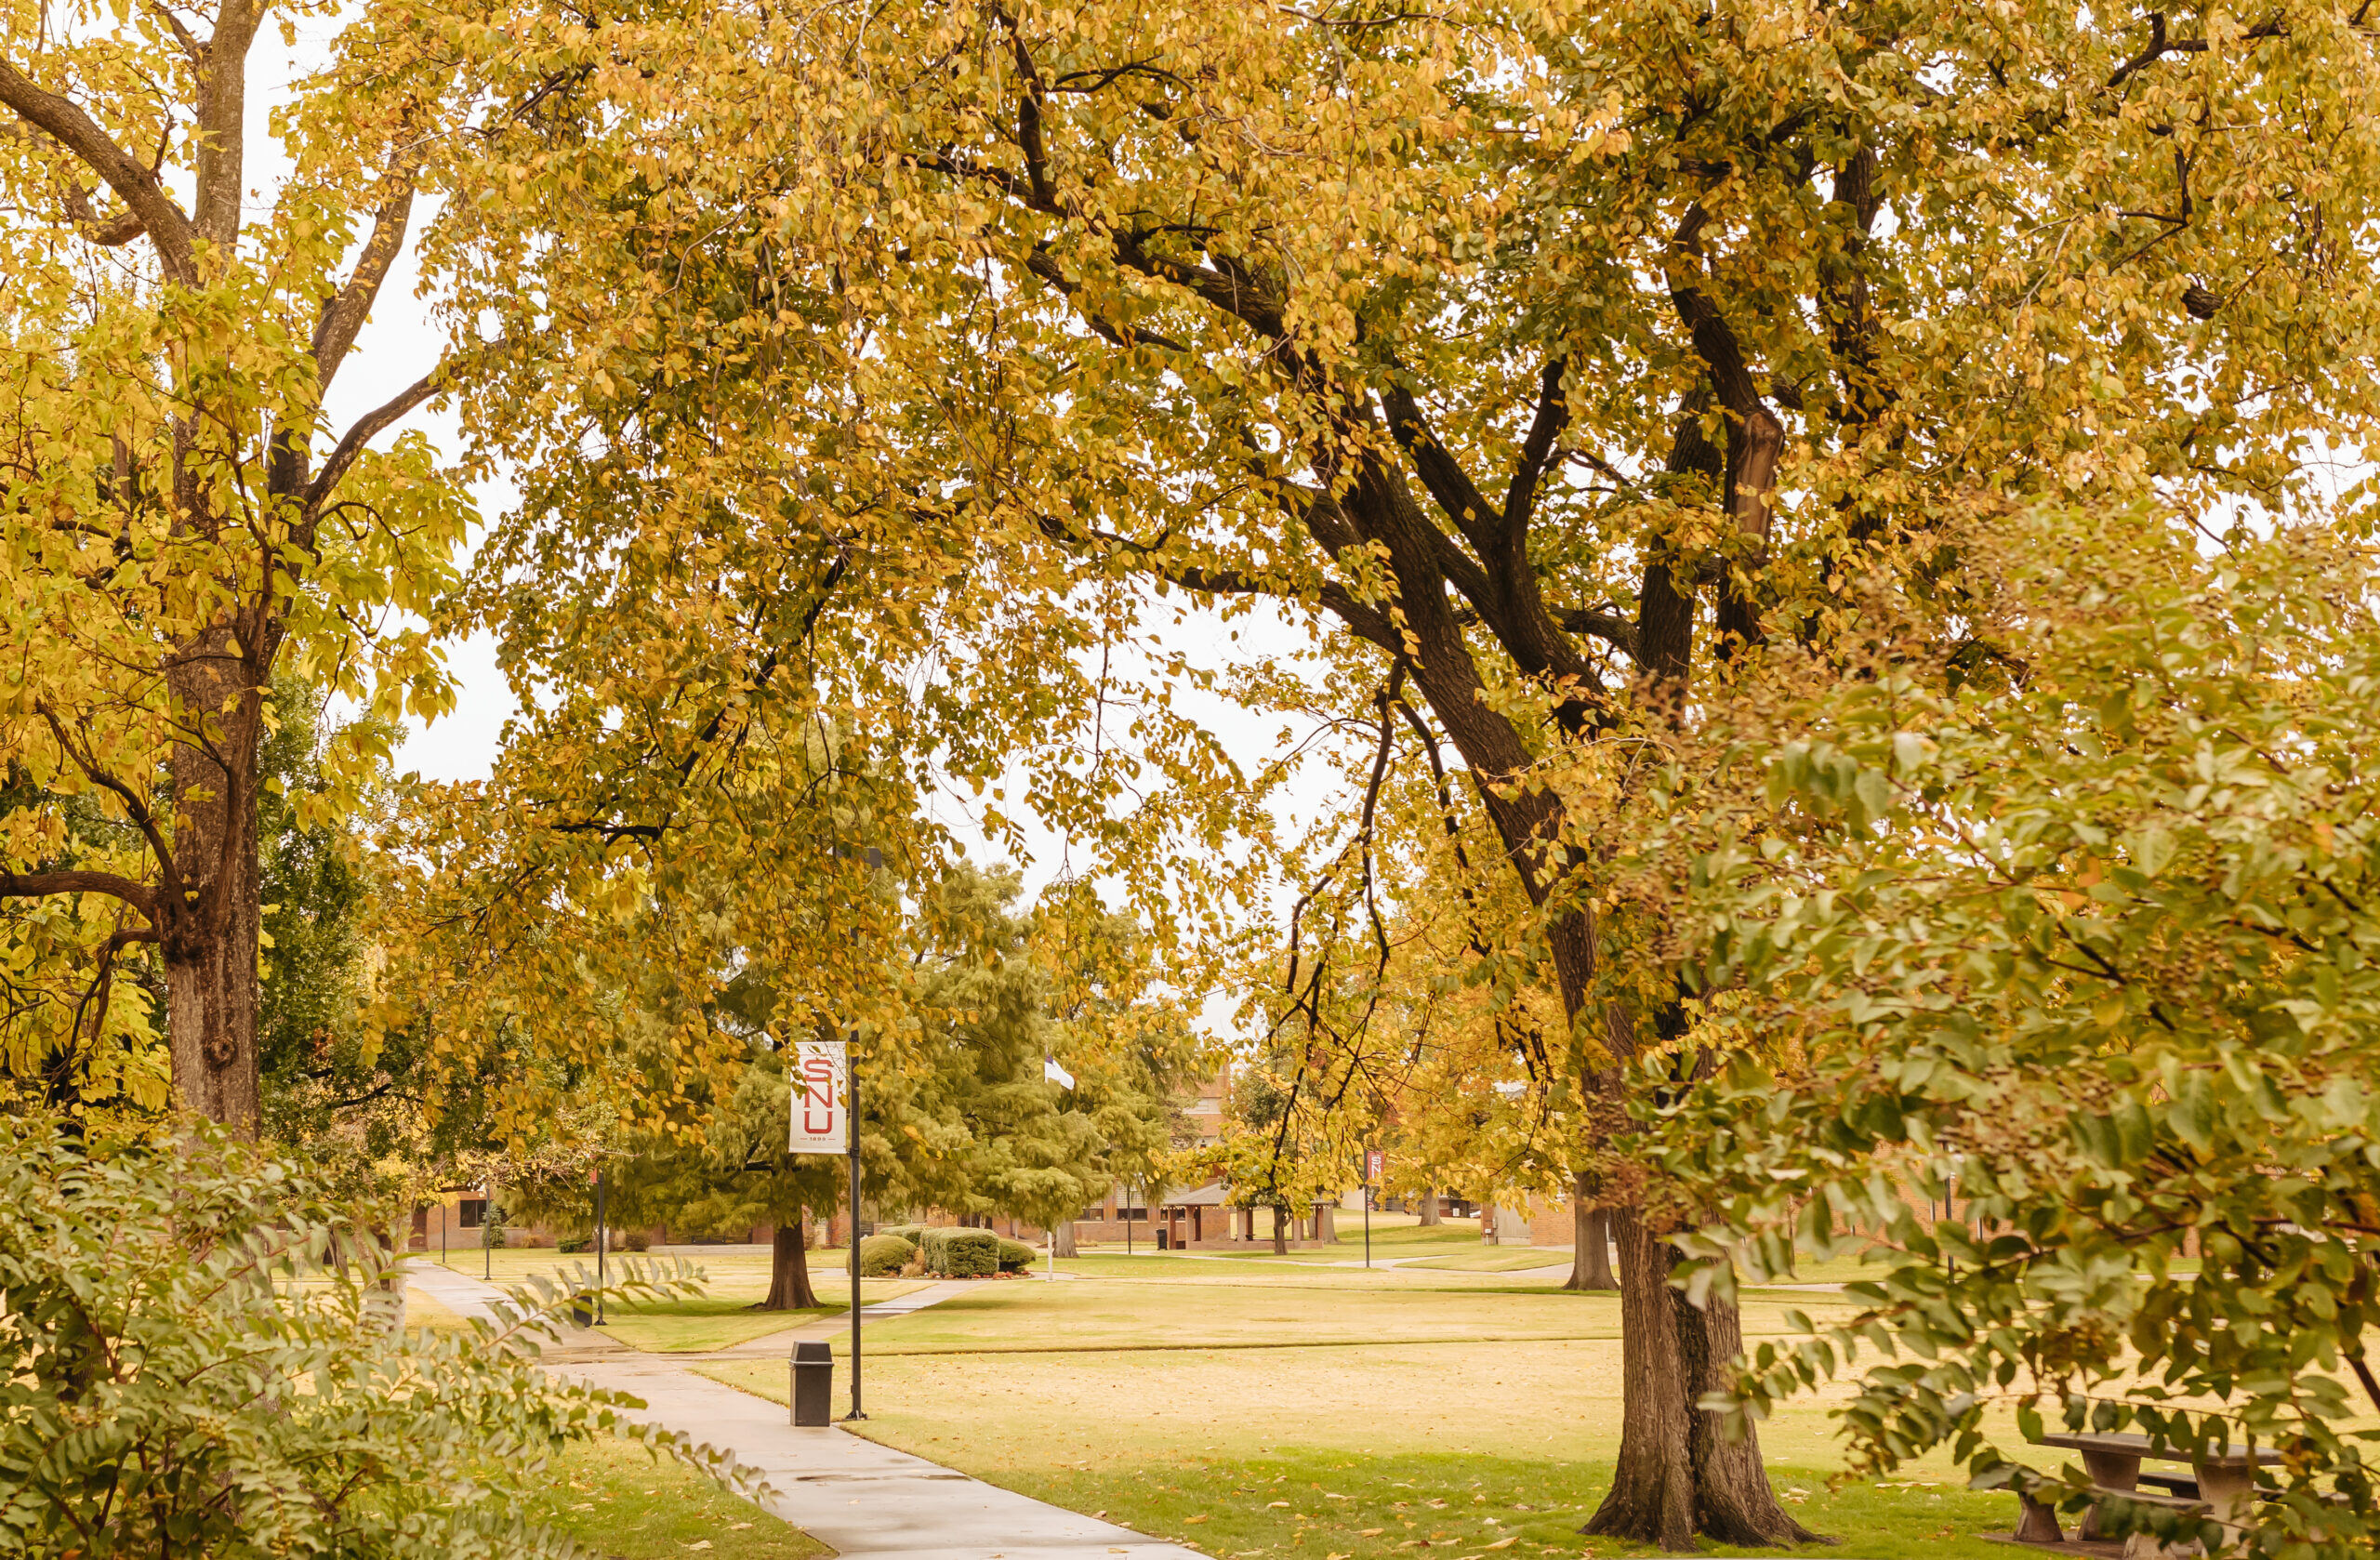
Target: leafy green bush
{"x":962,"y":1253}
{"x":571,"y":1244}
{"x":913,"y":1234}
{"x":2088,"y":956}
{"x":882,"y":1255}
{"x":1016,"y":1256}
{"x":203,"y":1362}
{"x":638,"y":1241}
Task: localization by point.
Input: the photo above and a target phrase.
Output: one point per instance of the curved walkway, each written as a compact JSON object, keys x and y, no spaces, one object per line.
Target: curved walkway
{"x":863,"y":1499}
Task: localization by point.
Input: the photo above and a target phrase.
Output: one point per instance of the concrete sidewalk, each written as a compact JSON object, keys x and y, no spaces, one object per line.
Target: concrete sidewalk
{"x":863,"y":1499}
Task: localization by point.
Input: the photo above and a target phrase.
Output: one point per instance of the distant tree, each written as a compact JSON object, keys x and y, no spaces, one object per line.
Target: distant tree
{"x":960,"y":1119}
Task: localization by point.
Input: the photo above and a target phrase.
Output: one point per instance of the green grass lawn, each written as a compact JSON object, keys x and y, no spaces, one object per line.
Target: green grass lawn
{"x":721,"y":1317}
{"x":1328,"y":1415}
{"x":1498,"y":1259}
{"x":1393,"y":1234}
{"x":1314,"y":1309}
{"x":614,"y":1501}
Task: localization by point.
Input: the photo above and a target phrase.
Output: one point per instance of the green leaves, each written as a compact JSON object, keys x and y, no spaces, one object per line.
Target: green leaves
{"x":205,"y":1361}
{"x":2106,"y":989}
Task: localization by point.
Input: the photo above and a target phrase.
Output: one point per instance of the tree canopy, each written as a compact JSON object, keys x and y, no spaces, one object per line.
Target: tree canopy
{"x":2084,"y":950}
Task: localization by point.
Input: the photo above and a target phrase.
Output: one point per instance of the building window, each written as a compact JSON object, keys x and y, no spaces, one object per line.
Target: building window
{"x":471,"y":1213}
{"x":1141,"y":1214}
{"x":1096,"y":1211}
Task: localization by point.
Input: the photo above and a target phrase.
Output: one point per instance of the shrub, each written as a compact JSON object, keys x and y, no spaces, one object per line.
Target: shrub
{"x":570,"y":1244}
{"x":962,"y":1253}
{"x":638,"y":1241}
{"x":913,"y":1234}
{"x":1016,"y":1256}
{"x":883,"y":1255}
{"x":191,"y":1373}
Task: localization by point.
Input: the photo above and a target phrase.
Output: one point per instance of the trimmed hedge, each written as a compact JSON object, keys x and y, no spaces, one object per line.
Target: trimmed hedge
{"x":952,"y":1253}
{"x":1016,"y":1256}
{"x":881,"y":1256}
{"x":913,"y":1234}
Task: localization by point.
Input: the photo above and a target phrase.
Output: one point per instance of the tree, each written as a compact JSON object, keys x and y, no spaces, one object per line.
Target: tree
{"x":2081,"y":936}
{"x":1553,"y":362}
{"x":960,"y":1117}
{"x":179,"y":523}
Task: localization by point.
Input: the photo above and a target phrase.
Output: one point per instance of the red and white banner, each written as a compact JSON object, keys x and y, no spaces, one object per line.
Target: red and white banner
{"x":821,"y":1098}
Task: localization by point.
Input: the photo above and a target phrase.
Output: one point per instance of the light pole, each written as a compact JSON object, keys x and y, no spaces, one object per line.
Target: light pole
{"x":602,"y":1240}
{"x":850,"y":1118}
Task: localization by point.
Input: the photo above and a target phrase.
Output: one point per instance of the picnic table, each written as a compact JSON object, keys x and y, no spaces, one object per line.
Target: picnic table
{"x":2223,"y":1481}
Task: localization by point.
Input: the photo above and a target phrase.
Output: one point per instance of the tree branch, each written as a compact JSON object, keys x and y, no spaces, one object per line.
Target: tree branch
{"x":121,"y":229}
{"x":41,"y":885}
{"x":66,"y":123}
{"x":371,"y":425}
{"x":1604,"y":625}
{"x":1537,"y":449}
{"x":344,"y":311}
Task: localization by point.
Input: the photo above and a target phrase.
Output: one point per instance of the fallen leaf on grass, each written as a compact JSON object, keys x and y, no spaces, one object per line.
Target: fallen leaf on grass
{"x":1277,"y":1505}
{"x":698,"y":1543}
{"x":1506,"y":1543}
{"x":1187,"y":1520}
{"x":737,"y":1527}
{"x":1371,"y":1532}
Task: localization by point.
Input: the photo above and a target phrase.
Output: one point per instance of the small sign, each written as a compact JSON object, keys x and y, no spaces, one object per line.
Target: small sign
{"x":821,"y":1098}
{"x":1375,"y":1164}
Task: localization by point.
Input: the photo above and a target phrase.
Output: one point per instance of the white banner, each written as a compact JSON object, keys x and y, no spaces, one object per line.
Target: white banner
{"x":821,"y":1098}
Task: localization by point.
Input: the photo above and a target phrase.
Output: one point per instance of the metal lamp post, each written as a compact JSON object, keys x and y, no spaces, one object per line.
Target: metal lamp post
{"x":851,"y":1114}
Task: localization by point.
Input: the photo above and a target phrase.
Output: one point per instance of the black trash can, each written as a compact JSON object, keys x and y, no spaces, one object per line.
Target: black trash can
{"x":1161,"y":1233}
{"x":814,"y":1383}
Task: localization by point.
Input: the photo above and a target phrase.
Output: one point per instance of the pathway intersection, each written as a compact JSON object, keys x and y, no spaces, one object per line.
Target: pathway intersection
{"x":862,"y":1499}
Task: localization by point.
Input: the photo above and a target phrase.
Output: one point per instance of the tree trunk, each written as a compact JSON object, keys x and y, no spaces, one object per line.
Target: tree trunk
{"x":1062,"y":1238}
{"x":1281,"y":1233}
{"x":208,"y":933}
{"x":1429,"y":1207}
{"x":788,"y":1272}
{"x":1676,"y":1476}
{"x":1590,"y":1259}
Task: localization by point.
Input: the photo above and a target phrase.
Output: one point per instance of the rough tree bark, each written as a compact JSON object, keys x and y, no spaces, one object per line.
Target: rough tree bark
{"x":1676,"y":1476}
{"x":788,"y":1272}
{"x":1062,"y":1238}
{"x":1429,"y":1207}
{"x":1280,"y":1233}
{"x":1590,"y":1227}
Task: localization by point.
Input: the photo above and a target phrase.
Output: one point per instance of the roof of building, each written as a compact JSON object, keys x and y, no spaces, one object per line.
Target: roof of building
{"x":1210,"y":1195}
